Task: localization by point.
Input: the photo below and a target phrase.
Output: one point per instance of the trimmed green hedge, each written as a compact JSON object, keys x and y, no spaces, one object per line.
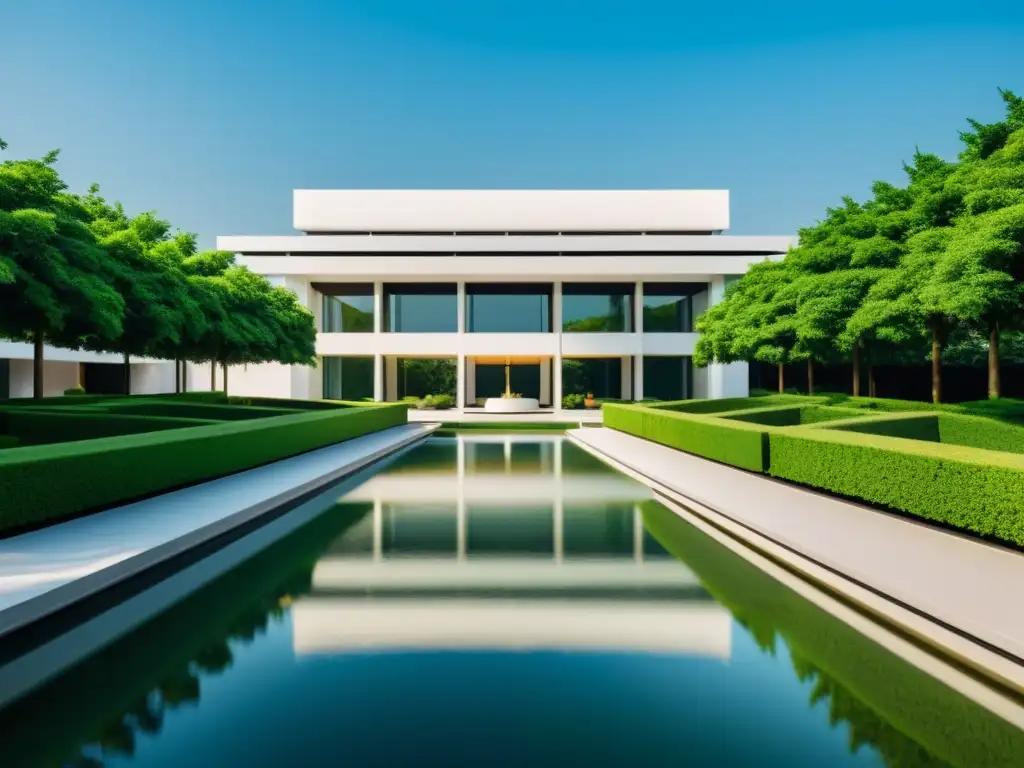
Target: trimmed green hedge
{"x":44,"y":483}
{"x":946,"y":428}
{"x":969,"y":488}
{"x":722,"y":405}
{"x":198,"y":410}
{"x":733,"y":442}
{"x":8,"y":441}
{"x":789,"y":415}
{"x":211,"y":397}
{"x":308,"y":405}
{"x":36,"y":426}
{"x":888,"y":703}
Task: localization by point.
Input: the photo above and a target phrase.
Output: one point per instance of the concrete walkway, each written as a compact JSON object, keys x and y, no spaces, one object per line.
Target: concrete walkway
{"x":48,"y":569}
{"x":972,"y":587}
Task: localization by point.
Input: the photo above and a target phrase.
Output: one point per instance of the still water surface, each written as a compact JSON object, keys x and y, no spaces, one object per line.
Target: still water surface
{"x":498,"y":601}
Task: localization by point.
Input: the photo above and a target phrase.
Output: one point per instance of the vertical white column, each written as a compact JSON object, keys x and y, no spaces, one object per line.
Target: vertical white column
{"x":378,"y":307}
{"x":378,"y":529}
{"x":545,"y":381}
{"x":460,"y":382}
{"x":378,"y":378}
{"x":626,"y":384}
{"x":470,"y":381}
{"x":556,"y":363}
{"x":638,"y":378}
{"x":460,"y":514}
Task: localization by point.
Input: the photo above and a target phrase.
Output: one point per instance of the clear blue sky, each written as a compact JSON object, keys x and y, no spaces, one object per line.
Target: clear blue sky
{"x":212,"y":112}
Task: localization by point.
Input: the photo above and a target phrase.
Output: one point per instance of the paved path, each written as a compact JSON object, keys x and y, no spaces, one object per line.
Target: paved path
{"x":972,"y":586}
{"x":34,"y":565}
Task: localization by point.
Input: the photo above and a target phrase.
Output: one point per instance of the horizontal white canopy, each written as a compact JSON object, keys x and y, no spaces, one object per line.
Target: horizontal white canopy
{"x":510,"y":210}
{"x":341,"y":625}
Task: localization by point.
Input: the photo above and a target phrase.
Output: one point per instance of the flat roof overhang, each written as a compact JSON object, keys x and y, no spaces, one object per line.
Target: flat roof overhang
{"x":424,"y":268}
{"x":479,"y":245}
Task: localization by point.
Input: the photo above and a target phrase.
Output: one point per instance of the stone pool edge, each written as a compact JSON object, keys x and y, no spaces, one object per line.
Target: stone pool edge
{"x":21,"y":615}
{"x":762,"y":549}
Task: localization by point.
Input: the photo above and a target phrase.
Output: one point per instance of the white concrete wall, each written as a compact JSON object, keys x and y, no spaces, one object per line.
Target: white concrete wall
{"x":57,"y":377}
{"x":263,"y":380}
{"x":731,"y":380}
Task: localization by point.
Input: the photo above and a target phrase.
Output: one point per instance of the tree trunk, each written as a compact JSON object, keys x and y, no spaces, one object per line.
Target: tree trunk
{"x":936,"y":365}
{"x":856,"y":370}
{"x":213,"y":375}
{"x":994,"y":384}
{"x":37,"y":365}
{"x":810,"y":376}
{"x":782,"y":378}
{"x":127,"y":375}
{"x":184,"y":375}
{"x":177,"y":376}
{"x":872,"y":391}
{"x":225,"y":366}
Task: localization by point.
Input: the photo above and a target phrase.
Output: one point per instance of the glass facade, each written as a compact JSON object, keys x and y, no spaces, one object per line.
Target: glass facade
{"x":508,"y":308}
{"x":599,"y":376}
{"x":347,"y":314}
{"x":668,"y":378}
{"x":597,"y":307}
{"x":673,"y":307}
{"x":429,"y":376}
{"x":347,"y":378}
{"x":421,"y":308}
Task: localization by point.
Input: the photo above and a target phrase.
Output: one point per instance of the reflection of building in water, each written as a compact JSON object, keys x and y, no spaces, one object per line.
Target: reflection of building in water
{"x":503,"y":542}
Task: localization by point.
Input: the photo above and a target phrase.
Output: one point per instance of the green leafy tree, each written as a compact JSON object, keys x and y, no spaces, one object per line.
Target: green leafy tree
{"x":160,"y":306}
{"x":56,"y":277}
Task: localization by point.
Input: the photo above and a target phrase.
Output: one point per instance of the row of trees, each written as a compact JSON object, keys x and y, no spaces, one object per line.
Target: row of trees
{"x":914,"y":273}
{"x":77,"y":272}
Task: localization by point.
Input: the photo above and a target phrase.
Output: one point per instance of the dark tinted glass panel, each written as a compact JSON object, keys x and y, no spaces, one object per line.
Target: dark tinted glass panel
{"x":596,"y":308}
{"x":347,"y":314}
{"x":508,"y":308}
{"x":419,"y":378}
{"x":348,"y":378}
{"x":524,"y":380}
{"x":421,"y":309}
{"x":668,"y":378}
{"x":673,"y":307}
{"x":601,"y":377}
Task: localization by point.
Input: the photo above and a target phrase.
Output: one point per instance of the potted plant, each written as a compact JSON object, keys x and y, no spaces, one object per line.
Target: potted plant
{"x":590,"y":402}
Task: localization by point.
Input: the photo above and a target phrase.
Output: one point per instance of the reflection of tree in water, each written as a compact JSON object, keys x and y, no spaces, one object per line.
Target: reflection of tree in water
{"x":182,"y":686}
{"x":159,"y":667}
{"x":909,"y":717}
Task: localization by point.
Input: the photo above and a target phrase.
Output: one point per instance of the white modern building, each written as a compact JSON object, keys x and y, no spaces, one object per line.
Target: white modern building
{"x":577,"y":291}
{"x":435,"y":291}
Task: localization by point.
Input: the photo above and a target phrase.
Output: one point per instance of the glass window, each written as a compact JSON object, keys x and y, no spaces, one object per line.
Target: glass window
{"x":348,"y":378}
{"x":673,"y":307}
{"x":668,"y":378}
{"x":347,"y":314}
{"x":428,"y":376}
{"x":598,"y":376}
{"x":421,"y":308}
{"x":508,"y":308}
{"x":606,"y":308}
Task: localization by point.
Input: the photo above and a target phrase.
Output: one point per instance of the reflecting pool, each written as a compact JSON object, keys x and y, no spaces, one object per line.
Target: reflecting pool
{"x":497,"y":600}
